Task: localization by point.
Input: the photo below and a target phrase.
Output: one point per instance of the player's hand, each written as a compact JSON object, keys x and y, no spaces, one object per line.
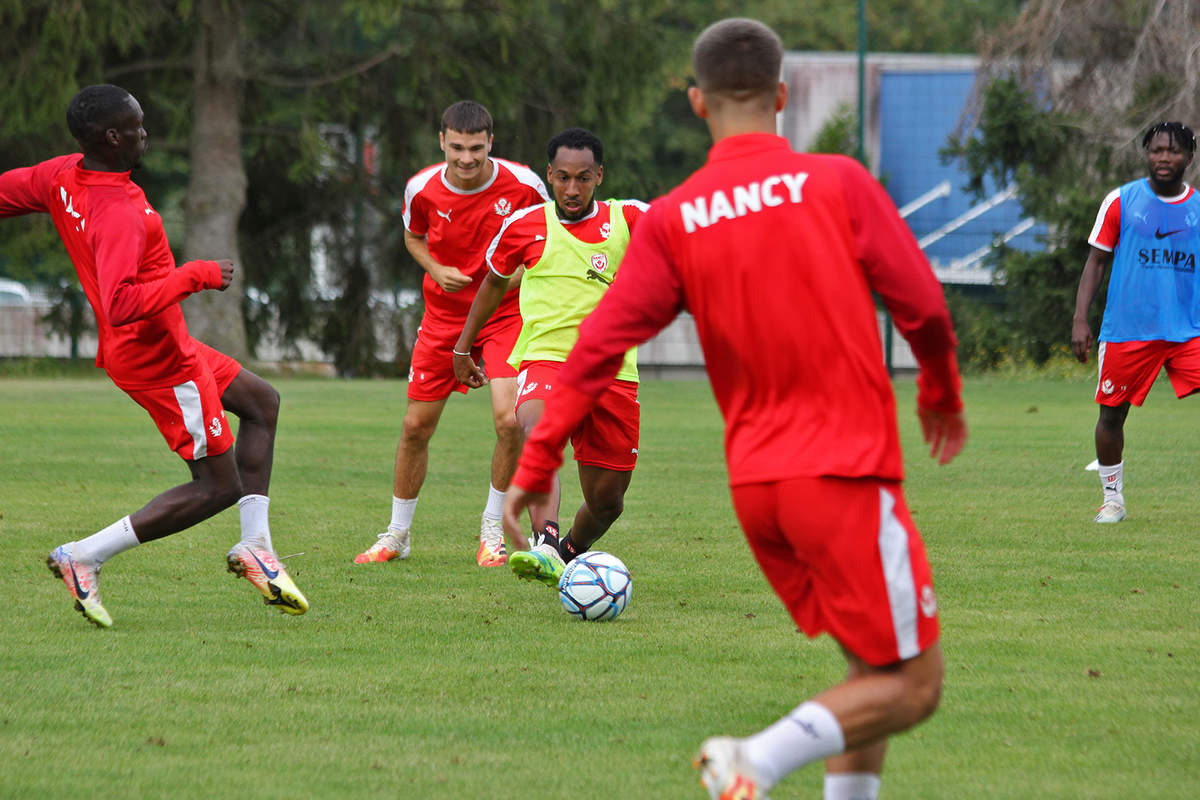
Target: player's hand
{"x":1081,"y":339}
{"x":226,"y":272}
{"x":945,"y":433}
{"x":516,"y":501}
{"x":468,"y":372}
{"x":451,"y":279}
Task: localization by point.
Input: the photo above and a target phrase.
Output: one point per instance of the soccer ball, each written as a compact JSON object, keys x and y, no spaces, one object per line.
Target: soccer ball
{"x":595,"y":586}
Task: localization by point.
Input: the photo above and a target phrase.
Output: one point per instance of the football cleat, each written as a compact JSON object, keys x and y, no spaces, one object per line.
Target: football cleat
{"x":388,"y":545}
{"x":541,"y":562}
{"x":491,"y":544}
{"x":726,"y":773}
{"x":83,"y":582}
{"x":260,"y":566}
{"x":1111,"y":511}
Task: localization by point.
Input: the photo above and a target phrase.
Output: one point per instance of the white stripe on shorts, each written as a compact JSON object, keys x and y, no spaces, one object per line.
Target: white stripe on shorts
{"x":898,"y":576}
{"x":188,"y":397}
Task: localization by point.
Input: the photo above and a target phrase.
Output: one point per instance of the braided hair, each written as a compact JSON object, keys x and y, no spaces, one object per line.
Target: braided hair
{"x":1177,"y":132}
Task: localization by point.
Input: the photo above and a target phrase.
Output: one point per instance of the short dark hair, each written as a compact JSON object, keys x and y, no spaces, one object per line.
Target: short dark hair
{"x":737,"y":55}
{"x":467,"y":116}
{"x":576,"y":139}
{"x":1179,"y":133}
{"x":94,"y":110}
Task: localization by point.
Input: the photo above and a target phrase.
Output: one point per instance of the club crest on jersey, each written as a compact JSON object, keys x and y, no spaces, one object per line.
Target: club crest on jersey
{"x":599,"y":262}
{"x":929,"y":603}
{"x":503,"y":207}
{"x":215,"y":427}
{"x":606,"y":230}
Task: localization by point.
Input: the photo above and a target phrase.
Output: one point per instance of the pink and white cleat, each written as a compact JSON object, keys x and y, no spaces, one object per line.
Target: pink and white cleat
{"x":82,"y":581}
{"x":260,"y":566}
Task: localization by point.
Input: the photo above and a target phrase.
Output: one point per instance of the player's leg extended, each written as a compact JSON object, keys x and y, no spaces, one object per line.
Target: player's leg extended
{"x":214,"y":487}
{"x":256,"y":404}
{"x":603,"y":502}
{"x":884,"y":617}
{"x":875,"y":702}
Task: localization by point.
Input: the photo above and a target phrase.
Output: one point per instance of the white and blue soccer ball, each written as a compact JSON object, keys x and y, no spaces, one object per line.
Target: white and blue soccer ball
{"x":595,"y":586}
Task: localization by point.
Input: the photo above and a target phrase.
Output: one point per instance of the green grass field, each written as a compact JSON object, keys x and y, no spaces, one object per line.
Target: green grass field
{"x":1073,"y":650}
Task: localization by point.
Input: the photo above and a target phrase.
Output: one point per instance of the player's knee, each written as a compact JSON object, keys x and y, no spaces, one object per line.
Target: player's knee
{"x":220,"y":494}
{"x":269,"y":404}
{"x":606,"y":507}
{"x":417,"y":431}
{"x":923,"y":688}
{"x":507,"y":427}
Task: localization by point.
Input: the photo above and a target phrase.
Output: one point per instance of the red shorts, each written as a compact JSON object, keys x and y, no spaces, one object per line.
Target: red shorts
{"x":190,"y":416}
{"x":845,"y":558}
{"x":431,"y":376}
{"x":608,"y":436}
{"x":1129,"y":369}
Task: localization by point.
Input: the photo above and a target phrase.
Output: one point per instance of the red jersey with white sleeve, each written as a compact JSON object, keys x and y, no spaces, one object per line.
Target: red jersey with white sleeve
{"x":459,"y":224}
{"x":523,"y":239}
{"x":116,"y":241}
{"x":1107,"y":229}
{"x":776,"y":254}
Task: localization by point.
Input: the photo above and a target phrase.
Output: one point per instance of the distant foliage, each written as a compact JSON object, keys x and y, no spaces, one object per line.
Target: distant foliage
{"x":1064,"y":97}
{"x":322,"y":80}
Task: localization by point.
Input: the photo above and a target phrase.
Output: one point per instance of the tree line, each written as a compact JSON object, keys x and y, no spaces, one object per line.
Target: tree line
{"x":282,"y":131}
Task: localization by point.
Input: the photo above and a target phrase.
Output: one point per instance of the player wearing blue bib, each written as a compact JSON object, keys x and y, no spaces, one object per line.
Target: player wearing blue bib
{"x":1149,"y":231}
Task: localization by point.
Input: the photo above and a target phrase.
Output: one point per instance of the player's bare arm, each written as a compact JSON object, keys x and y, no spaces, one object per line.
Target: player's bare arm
{"x":486,"y":301}
{"x":1089,"y":282}
{"x":450,"y":278}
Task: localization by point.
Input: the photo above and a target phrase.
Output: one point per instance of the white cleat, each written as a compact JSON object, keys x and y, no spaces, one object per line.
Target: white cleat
{"x":725,"y":772}
{"x":491,"y":544}
{"x":1111,"y":511}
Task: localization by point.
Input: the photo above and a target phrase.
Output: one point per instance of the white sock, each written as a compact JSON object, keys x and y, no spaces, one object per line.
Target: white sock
{"x":851,"y":786}
{"x":402,"y":514}
{"x":494,"y":509}
{"x":1112,"y":478}
{"x":255,"y":529}
{"x":103,"y":545}
{"x":809,"y":733}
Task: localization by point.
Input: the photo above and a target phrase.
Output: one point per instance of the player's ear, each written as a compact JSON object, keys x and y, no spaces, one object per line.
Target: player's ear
{"x":696,"y":99}
{"x":781,"y":97}
{"x":599,"y":174}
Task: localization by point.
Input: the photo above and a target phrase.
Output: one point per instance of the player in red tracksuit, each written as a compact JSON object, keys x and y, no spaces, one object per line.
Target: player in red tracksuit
{"x":116,"y":241}
{"x":451,"y":212}
{"x":776,"y":254}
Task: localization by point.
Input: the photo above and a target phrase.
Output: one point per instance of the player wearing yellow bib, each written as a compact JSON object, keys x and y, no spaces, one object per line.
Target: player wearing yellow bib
{"x":570,"y":250}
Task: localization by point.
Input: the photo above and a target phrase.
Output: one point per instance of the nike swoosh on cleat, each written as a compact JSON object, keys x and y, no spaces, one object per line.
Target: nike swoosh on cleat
{"x":79,"y":591}
{"x":1160,"y":235}
{"x":270,"y":573}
